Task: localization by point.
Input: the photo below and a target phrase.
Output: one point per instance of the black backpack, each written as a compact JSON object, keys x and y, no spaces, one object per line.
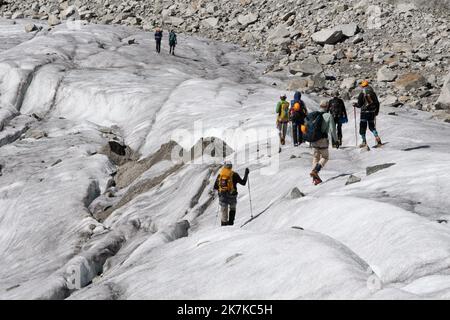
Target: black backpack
{"x":313,"y":124}
{"x":336,"y":107}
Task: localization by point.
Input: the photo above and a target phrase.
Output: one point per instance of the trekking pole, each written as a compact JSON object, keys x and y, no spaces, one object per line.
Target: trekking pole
{"x":250,"y":197}
{"x":356,"y":127}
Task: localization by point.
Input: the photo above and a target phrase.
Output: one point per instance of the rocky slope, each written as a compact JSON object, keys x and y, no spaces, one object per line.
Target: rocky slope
{"x":402,"y":46}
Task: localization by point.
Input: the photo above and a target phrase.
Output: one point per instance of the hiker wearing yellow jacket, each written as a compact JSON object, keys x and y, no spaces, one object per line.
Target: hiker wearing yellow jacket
{"x":282,"y":118}
{"x":226,"y":185}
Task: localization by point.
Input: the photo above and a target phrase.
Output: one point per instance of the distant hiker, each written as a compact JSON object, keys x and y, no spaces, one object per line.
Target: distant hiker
{"x":336,"y":107}
{"x":298,"y":114}
{"x":172,"y":42}
{"x":226,"y":184}
{"x":317,"y":126}
{"x":282,"y":118}
{"x":370,"y":107}
{"x":158,"y":38}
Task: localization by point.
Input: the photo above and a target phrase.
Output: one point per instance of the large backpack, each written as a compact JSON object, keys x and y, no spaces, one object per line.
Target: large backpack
{"x":371,"y":101}
{"x":172,"y":38}
{"x":283,"y":115}
{"x":336,"y":107}
{"x":226,"y":180}
{"x":298,"y":111}
{"x":313,"y":127}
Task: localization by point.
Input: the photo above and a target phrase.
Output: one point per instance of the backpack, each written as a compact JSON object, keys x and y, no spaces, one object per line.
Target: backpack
{"x":283,"y":114}
{"x":226,"y":180}
{"x":335,"y":107}
{"x":371,"y":100}
{"x":298,"y":111}
{"x":172,"y":37}
{"x":313,"y":127}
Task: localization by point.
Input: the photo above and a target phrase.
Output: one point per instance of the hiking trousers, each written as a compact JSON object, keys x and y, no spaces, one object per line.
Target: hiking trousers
{"x":172,"y":50}
{"x":297,"y":134}
{"x":227,"y":204}
{"x":282,"y":127}
{"x":158,"y":45}
{"x":321,"y":154}
{"x":367,"y":120}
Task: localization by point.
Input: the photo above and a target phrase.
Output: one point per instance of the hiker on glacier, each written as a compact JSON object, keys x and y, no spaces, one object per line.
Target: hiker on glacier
{"x":226,"y":185}
{"x":298,"y":113}
{"x":158,"y":38}
{"x":318,"y":125}
{"x":336,"y":106}
{"x":282,"y":111}
{"x":370,"y":107}
{"x":172,"y":42}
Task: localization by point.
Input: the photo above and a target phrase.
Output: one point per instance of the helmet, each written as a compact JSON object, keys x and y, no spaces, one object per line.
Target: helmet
{"x":364,"y":83}
{"x":228,"y":164}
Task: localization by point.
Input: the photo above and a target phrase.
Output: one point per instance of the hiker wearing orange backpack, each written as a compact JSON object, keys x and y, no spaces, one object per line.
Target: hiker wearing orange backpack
{"x":226,"y":185}
{"x":298,"y":113}
{"x":282,"y":118}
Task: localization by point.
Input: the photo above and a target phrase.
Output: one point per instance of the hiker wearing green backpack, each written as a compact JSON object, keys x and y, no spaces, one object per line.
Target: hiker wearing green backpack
{"x":283,"y":118}
{"x":318,"y":126}
{"x":172,"y":42}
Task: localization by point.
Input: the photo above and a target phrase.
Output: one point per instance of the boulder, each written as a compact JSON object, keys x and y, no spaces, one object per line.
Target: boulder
{"x":386,"y":75}
{"x":298,"y":84}
{"x":410,"y":81}
{"x":17,"y":15}
{"x":175,"y":21}
{"x":348,"y":84}
{"x":70,"y":11}
{"x":309,"y":66}
{"x":326,"y":59}
{"x":53,"y":20}
{"x":30,"y":27}
{"x":390,"y":101}
{"x":352,"y":179}
{"x":210,"y":23}
{"x":248,"y":19}
{"x":444,"y":99}
{"x":374,"y":169}
{"x":296,"y":193}
{"x":328,"y":36}
{"x":349,"y":30}
{"x":278,"y":33}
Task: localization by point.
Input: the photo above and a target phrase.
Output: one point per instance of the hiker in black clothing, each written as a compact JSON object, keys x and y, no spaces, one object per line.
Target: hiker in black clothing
{"x":336,"y":107}
{"x":298,"y":113}
{"x":226,"y":185}
{"x":370,"y":107}
{"x":158,"y":38}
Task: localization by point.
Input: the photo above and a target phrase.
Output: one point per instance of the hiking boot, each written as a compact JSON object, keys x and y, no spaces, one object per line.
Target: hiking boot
{"x":363,"y":145}
{"x":316,"y":179}
{"x":223,"y":224}
{"x":379,"y":143}
{"x":314,"y":174}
